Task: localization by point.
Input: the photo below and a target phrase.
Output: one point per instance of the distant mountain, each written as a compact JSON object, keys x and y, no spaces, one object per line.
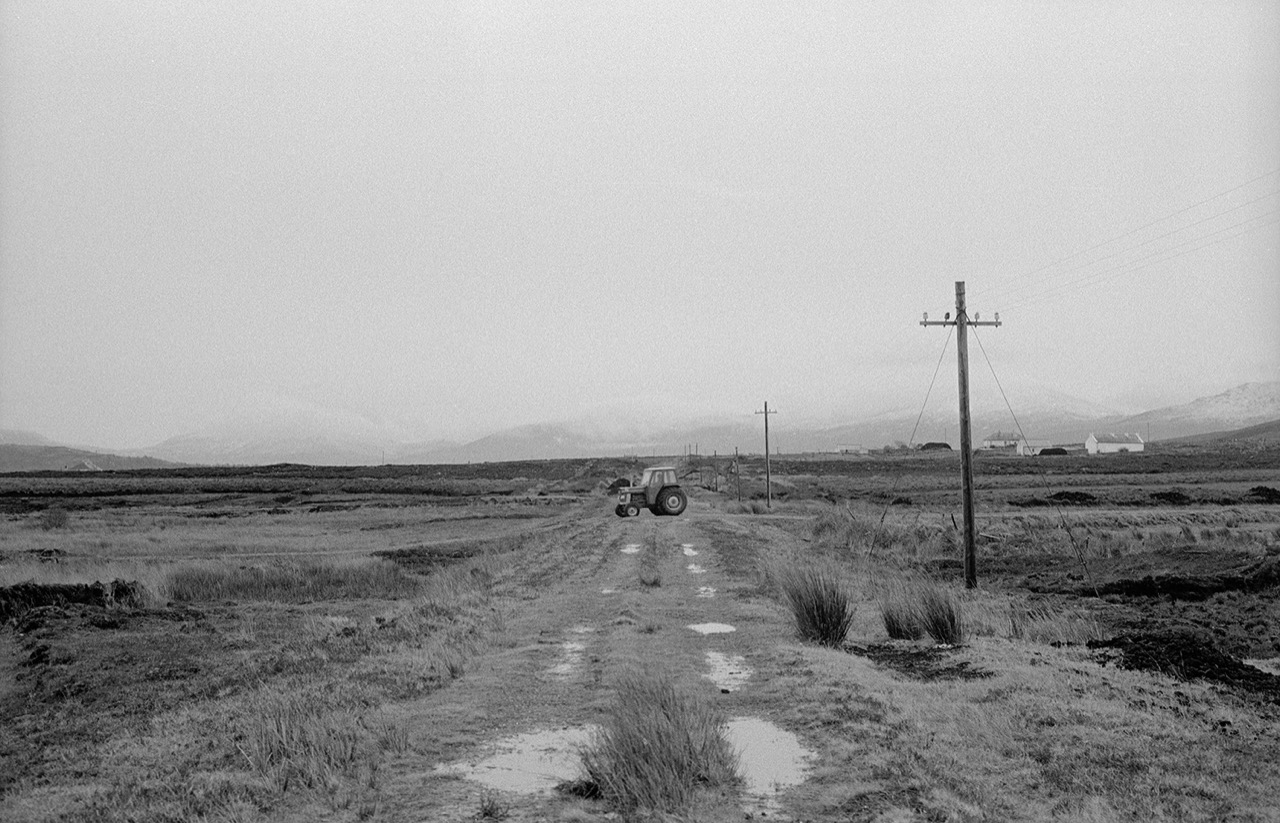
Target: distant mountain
{"x":1246,"y":405}
{"x":18,"y":437}
{"x":1263,"y":434}
{"x":28,"y":458}
{"x":289,"y":431}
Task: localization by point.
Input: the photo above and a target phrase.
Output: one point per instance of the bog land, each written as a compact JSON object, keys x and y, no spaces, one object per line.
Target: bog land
{"x":478,"y":641}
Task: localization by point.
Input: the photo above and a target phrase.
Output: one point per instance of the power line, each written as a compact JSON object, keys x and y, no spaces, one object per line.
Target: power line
{"x":1130,"y":267}
{"x":1043,"y":479}
{"x":1155,"y":222}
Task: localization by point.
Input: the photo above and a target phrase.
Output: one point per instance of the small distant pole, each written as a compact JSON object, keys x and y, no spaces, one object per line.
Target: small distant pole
{"x":962,"y":322}
{"x":737,"y":472}
{"x":768,"y":478}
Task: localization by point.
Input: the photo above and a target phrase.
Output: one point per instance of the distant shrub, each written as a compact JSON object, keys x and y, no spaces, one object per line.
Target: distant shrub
{"x":820,"y":604}
{"x":54,"y":517}
{"x":657,"y":744}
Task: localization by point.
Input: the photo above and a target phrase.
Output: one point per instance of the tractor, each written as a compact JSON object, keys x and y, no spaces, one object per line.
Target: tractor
{"x":658,"y":491}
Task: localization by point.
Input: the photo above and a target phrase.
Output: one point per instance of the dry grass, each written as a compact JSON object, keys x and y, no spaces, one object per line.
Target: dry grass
{"x":292,"y":582}
{"x":1053,"y":625}
{"x":658,"y":744}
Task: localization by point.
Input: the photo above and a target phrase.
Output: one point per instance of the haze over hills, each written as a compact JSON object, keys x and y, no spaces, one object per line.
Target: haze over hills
{"x":298,"y":433}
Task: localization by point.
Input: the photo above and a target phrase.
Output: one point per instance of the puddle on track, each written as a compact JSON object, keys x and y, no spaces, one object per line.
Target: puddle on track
{"x":706,"y":591}
{"x":570,"y":659}
{"x":772,"y":759}
{"x":712,"y":628}
{"x":608,"y":591}
{"x":528,"y":763}
{"x":631,"y":548}
{"x":728,"y":671}
{"x":688,"y":550}
{"x":694,"y":568}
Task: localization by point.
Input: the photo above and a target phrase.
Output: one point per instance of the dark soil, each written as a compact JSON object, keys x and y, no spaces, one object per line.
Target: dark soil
{"x":15,"y":601}
{"x":1188,"y":655}
{"x":1231,"y":597}
{"x":925,"y":663}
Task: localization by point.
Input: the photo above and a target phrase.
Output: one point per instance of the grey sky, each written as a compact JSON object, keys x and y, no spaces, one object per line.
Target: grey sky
{"x":447,"y":217}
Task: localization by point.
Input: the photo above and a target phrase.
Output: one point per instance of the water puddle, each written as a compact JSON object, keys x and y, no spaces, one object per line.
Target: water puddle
{"x":528,"y":763}
{"x":694,"y":568}
{"x":608,"y":591}
{"x":687,"y":548}
{"x":728,"y":671}
{"x":706,"y":591}
{"x":772,"y":759}
{"x":631,"y":548}
{"x":712,"y":628}
{"x":570,"y":659}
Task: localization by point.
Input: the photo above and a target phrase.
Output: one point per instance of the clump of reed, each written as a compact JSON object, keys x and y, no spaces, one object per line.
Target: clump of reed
{"x":657,"y":745}
{"x":912,"y":609}
{"x":820,"y":603}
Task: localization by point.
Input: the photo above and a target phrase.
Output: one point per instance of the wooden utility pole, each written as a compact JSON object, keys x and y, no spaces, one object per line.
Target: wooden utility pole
{"x":768,"y":478}
{"x":737,"y":472}
{"x":962,"y":322}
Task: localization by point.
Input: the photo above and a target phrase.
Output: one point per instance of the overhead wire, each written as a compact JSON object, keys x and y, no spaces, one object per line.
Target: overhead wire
{"x":1138,"y":264}
{"x":897,"y":475}
{"x":1004,"y":284}
{"x":1023,"y":435}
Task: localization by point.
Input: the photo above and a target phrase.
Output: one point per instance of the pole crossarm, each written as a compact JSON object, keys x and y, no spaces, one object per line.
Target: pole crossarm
{"x":962,"y":322}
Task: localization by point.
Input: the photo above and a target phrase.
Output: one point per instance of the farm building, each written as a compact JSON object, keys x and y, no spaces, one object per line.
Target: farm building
{"x":1000,"y":440}
{"x":1029,"y":447}
{"x":1112,"y":443}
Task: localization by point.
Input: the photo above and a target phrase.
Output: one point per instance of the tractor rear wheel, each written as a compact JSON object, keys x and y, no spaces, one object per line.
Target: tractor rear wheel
{"x":672,"y":501}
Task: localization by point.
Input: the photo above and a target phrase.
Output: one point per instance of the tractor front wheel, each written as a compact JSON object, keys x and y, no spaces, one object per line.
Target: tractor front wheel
{"x":673,"y":501}
{"x":620,"y":510}
{"x":633,"y":510}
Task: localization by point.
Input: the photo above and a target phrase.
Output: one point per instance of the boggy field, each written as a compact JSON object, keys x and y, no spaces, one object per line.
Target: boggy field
{"x":491,"y":642}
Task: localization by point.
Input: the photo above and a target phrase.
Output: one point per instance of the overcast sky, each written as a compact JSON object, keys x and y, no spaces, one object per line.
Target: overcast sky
{"x":450,"y":217}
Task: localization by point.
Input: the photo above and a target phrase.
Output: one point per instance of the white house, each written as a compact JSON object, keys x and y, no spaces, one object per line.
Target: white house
{"x":1029,"y":447}
{"x":1112,"y":443}
{"x":1000,"y":440}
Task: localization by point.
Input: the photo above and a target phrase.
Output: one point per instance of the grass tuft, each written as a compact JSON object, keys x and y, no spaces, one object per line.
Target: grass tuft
{"x":911,"y":610}
{"x":820,"y":604}
{"x":658,"y":744}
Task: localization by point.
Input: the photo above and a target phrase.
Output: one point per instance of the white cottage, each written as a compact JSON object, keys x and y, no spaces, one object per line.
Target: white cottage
{"x":1000,"y":440}
{"x":1113,"y":443}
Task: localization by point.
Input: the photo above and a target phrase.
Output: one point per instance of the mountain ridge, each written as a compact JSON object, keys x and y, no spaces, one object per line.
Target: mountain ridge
{"x":1052,"y":416}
